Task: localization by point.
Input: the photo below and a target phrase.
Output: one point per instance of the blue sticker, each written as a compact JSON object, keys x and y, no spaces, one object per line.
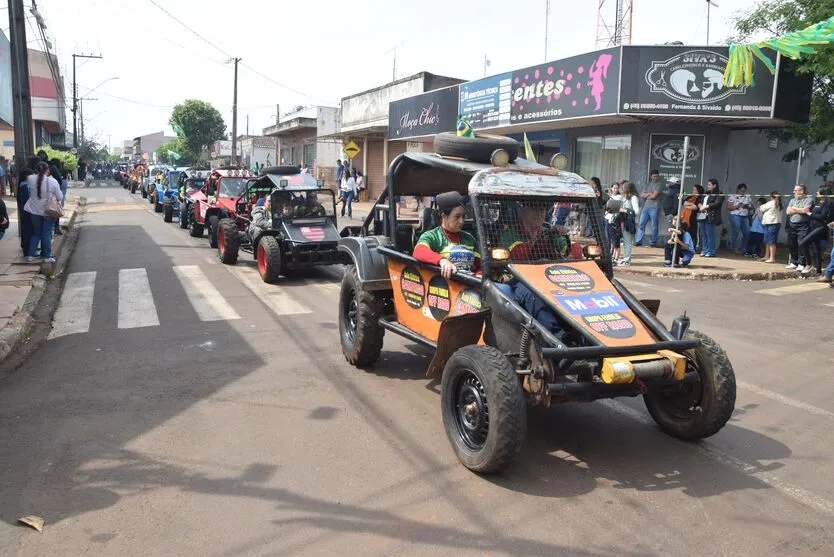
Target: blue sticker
{"x":589,"y":304}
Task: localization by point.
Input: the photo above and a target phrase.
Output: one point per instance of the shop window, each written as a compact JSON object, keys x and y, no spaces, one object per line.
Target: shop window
{"x":309,"y":155}
{"x":608,"y":158}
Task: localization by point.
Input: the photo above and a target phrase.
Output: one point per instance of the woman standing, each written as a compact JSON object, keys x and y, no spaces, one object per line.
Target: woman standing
{"x":771,"y":220}
{"x":348,"y":191}
{"x":613,"y":233}
{"x":821,"y":215}
{"x":629,"y":213}
{"x":689,"y":214}
{"x":710,"y":210}
{"x":41,"y":188}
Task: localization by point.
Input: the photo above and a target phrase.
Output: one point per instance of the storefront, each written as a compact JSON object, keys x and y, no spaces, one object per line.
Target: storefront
{"x":620,"y":112}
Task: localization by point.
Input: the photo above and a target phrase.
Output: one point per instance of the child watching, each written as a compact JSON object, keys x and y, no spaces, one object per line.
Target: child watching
{"x":679,"y":234}
{"x":756,"y":239}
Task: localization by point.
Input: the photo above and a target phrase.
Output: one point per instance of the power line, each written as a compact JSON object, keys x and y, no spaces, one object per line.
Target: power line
{"x":256,"y":72}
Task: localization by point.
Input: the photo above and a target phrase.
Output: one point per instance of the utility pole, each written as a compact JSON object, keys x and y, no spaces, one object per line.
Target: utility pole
{"x":546,"y":25}
{"x":81,"y":109}
{"x":24,"y":145}
{"x":75,"y":98}
{"x":277,"y":137}
{"x":709,"y":3}
{"x":487,"y":63}
{"x":234,"y":117}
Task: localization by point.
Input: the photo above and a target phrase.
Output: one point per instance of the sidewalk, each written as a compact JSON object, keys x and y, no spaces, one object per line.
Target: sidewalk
{"x":21,"y":283}
{"x":649,"y":261}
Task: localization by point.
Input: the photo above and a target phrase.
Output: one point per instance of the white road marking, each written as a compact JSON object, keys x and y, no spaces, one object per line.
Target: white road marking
{"x":831,"y":305}
{"x":206,"y":299}
{"x":787,"y":401}
{"x":109,"y":199}
{"x":796,"y":493}
{"x":278,"y":300}
{"x":136,"y":307}
{"x":650,"y":287}
{"x":75,"y":310}
{"x":793,"y":289}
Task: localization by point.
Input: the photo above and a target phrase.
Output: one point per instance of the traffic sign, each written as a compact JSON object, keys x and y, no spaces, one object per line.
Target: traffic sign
{"x":351,"y":149}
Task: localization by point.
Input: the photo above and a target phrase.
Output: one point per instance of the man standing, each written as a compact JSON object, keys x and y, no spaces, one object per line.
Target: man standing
{"x":669,"y":201}
{"x":799,"y":222}
{"x":651,"y":202}
{"x":340,"y":170}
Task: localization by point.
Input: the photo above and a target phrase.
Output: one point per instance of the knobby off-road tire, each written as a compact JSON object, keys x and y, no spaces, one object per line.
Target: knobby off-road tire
{"x":269,"y":259}
{"x":476,"y":149}
{"x":212,"y":230}
{"x":195,"y":228}
{"x":144,"y":193}
{"x":483,"y":408}
{"x":182,"y":217}
{"x":359,"y":313}
{"x":694,"y":411}
{"x":228,"y":242}
{"x":168,"y":212}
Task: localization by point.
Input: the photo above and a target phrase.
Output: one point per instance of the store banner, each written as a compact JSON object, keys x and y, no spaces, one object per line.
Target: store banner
{"x":486,"y":103}
{"x":584,"y":85}
{"x":666,"y":155}
{"x":6,"y":101}
{"x":426,"y":114}
{"x":680,"y":80}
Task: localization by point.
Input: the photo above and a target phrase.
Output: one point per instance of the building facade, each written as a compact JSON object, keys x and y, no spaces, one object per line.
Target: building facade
{"x":259,"y":149}
{"x":307,"y":136}
{"x":145,"y":146}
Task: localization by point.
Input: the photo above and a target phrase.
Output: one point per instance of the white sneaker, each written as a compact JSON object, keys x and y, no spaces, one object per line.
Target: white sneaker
{"x":806,"y":270}
{"x":790,"y":266}
{"x":49,"y":260}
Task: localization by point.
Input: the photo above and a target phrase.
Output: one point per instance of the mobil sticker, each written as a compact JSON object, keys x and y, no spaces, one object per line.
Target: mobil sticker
{"x":589,"y":304}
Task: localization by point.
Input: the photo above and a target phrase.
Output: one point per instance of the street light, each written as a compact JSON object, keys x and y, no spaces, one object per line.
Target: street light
{"x":90,"y":92}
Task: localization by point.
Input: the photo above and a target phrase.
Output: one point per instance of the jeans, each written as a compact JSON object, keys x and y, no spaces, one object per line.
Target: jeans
{"x":754,"y":244}
{"x":829,"y":271}
{"x":347,"y":201}
{"x":682,"y":258}
{"x":708,"y":245}
{"x":738,"y":224}
{"x":42,"y":228}
{"x":628,"y":243}
{"x":649,"y":213}
{"x":2,"y":233}
{"x":532,"y":305}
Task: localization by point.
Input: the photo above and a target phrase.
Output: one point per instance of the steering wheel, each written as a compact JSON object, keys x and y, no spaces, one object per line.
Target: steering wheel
{"x":545,"y":246}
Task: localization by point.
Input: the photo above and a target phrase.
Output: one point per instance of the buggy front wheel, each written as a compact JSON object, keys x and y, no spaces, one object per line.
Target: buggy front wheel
{"x":268,"y":254}
{"x":359,"y":313}
{"x":483,"y":408}
{"x":692,"y":411}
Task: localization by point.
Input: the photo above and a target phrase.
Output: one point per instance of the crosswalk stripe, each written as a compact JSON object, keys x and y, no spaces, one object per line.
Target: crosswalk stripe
{"x":206,"y":299}
{"x":831,"y":305}
{"x":793,"y":289}
{"x":136,"y":307}
{"x":109,"y":199}
{"x":75,"y":310}
{"x":278,"y":300}
{"x":629,"y":282}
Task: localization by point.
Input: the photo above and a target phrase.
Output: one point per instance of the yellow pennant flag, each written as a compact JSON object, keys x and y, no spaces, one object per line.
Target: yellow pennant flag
{"x":528,"y":149}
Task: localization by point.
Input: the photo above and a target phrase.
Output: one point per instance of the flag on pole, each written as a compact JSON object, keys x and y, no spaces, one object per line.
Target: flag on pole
{"x":177,"y":129}
{"x":528,"y":149}
{"x":174,"y":155}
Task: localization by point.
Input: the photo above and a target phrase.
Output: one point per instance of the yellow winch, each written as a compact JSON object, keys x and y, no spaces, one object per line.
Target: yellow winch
{"x":663,"y":364}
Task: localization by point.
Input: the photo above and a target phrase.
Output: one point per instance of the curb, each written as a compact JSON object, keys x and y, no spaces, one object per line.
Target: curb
{"x":692,"y":275}
{"x":20,"y":324}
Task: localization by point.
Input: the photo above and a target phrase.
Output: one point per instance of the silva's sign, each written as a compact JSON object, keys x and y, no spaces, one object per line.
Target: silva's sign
{"x":695,"y":76}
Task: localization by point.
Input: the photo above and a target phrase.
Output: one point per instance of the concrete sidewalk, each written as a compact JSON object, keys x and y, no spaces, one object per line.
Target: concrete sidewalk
{"x":22,"y":283}
{"x":649,"y":261}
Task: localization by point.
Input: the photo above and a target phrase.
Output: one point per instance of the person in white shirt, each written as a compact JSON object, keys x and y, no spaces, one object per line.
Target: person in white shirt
{"x":613,"y":230}
{"x":348,"y":190}
{"x":41,"y":187}
{"x":630,"y":213}
{"x":771,"y":221}
{"x":740,"y":206}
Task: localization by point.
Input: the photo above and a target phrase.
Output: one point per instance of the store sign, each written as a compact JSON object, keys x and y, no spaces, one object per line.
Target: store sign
{"x":690,"y":81}
{"x":584,"y":85}
{"x":6,"y":103}
{"x":426,"y":114}
{"x":486,"y":103}
{"x":666,"y":155}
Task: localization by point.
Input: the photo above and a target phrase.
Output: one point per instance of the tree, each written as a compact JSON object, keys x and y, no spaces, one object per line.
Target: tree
{"x":178,"y":146}
{"x":201,"y":124}
{"x":777,"y":17}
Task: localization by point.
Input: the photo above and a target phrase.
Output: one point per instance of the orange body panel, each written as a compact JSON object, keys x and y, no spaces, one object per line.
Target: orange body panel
{"x":423,"y":298}
{"x":584,"y":293}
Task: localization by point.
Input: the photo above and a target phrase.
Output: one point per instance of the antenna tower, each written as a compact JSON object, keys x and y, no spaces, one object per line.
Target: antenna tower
{"x":613,"y":23}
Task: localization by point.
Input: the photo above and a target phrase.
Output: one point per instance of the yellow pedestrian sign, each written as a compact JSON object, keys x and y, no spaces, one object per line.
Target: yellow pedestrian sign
{"x":351,"y":149}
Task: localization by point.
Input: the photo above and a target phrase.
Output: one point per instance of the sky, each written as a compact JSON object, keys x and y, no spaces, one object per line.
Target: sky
{"x":316,"y":51}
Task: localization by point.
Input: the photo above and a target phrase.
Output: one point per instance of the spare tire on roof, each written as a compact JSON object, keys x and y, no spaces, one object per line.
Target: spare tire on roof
{"x":285,"y":170}
{"x":475,"y":149}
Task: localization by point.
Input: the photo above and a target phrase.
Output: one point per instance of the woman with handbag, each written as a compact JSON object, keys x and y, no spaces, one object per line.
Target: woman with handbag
{"x":630,"y":215}
{"x":43,"y":207}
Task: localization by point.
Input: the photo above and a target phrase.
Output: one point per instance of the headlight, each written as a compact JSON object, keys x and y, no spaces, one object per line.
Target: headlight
{"x":499,"y":254}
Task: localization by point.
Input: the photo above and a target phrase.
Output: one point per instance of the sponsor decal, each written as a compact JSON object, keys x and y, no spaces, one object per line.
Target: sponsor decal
{"x":312,"y":233}
{"x":693,"y":77}
{"x":569,"y":279}
{"x":412,"y":287}
{"x":468,"y":301}
{"x":439,"y":301}
{"x":612,"y":325}
{"x":588,"y":304}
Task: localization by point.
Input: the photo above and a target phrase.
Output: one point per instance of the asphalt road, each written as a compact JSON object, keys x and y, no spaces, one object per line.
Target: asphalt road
{"x":228,"y":423}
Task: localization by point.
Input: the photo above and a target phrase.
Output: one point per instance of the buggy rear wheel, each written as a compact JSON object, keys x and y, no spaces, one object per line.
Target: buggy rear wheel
{"x":692,"y":411}
{"x":183,"y":216}
{"x":195,"y":228}
{"x":483,"y":408}
{"x":268,"y":255}
{"x":359,"y":313}
{"x":228,"y":242}
{"x":168,"y":212}
{"x":212,"y":230}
